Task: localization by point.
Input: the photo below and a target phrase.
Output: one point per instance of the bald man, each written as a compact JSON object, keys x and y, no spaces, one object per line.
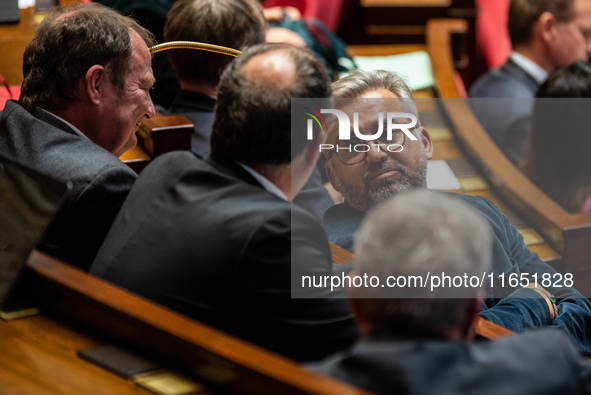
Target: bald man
{"x":218,"y":239}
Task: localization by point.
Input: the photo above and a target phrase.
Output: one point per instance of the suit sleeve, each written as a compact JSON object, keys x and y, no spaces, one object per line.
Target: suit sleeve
{"x":89,"y":217}
{"x":574,"y":310}
{"x":311,"y":322}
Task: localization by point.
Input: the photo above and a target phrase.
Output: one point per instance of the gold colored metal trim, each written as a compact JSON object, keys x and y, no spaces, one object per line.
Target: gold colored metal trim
{"x":194,"y":45}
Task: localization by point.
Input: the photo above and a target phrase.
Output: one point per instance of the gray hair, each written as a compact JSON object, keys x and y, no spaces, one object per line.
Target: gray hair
{"x":359,"y":82}
{"x":413,"y":234}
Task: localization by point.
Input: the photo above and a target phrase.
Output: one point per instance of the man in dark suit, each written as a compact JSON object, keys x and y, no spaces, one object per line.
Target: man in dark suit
{"x":235,"y":24}
{"x":366,"y":178}
{"x":545,"y":35}
{"x":87,"y":75}
{"x":218,"y":239}
{"x":425,"y":345}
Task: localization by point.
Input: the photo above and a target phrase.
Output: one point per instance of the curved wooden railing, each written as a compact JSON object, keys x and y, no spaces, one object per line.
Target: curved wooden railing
{"x":224,"y":363}
{"x":569,"y":234}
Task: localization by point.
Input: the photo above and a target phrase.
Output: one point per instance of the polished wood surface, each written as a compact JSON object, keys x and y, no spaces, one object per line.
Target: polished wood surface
{"x":39,"y":357}
{"x":195,"y":350}
{"x":156,"y":136}
{"x":370,"y":22}
{"x":439,"y":33}
{"x":14,"y":38}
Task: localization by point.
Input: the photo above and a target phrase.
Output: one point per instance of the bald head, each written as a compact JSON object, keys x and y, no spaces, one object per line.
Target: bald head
{"x":253,"y":113}
{"x":274,"y":70}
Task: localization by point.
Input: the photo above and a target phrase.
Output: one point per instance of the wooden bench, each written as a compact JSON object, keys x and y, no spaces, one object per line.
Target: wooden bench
{"x":90,"y":312}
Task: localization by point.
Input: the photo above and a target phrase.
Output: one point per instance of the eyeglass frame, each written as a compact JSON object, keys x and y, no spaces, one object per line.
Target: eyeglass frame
{"x":333,"y":149}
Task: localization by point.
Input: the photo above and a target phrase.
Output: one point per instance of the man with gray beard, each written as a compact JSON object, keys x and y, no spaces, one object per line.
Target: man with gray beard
{"x":369,"y":171}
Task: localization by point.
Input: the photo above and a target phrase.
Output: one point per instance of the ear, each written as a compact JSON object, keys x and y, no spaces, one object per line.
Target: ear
{"x":545,"y":28}
{"x":94,"y":83}
{"x":426,"y":138}
{"x":357,"y":308}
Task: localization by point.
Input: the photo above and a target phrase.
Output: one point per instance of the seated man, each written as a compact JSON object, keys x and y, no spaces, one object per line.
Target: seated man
{"x":545,"y":35}
{"x":213,"y":239}
{"x":79,"y":109}
{"x":231,"y":23}
{"x":425,"y":345}
{"x":377,"y":175}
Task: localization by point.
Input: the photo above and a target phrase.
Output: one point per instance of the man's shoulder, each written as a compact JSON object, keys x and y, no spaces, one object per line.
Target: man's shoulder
{"x":507,"y":81}
{"x":199,"y":183}
{"x":55,"y":149}
{"x":480,"y":203}
{"x":432,"y":366}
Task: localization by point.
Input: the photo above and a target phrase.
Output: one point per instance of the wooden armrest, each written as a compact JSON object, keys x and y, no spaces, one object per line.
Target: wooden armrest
{"x":490,"y":330}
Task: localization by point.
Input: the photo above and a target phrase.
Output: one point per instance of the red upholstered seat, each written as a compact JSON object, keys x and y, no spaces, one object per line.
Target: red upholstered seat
{"x":492,"y":31}
{"x":5,"y":94}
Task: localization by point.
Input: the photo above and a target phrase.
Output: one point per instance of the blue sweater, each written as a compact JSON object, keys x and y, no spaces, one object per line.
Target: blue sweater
{"x":514,"y":308}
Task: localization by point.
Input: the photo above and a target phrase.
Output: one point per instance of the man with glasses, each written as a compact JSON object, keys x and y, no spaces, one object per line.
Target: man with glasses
{"x":378,"y":175}
{"x":545,"y":34}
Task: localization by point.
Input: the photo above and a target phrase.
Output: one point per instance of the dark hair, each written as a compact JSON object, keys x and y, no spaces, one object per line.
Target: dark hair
{"x":558,"y":160}
{"x":253,"y":116}
{"x":523,"y":15}
{"x":569,"y":81}
{"x":231,"y":23}
{"x":70,"y":41}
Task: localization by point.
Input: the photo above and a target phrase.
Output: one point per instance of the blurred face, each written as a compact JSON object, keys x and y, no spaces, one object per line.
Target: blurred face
{"x":125,"y":110}
{"x":383,"y":173}
{"x":573,"y":38}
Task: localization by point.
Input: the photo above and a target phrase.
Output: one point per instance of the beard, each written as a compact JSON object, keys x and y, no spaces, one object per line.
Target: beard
{"x":407,"y":179}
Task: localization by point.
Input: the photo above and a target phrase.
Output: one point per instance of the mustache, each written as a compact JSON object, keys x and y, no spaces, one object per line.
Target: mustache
{"x":390,"y":164}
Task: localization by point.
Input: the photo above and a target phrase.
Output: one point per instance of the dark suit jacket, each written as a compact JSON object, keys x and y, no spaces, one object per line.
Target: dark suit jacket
{"x":540,"y":362}
{"x":506,"y":106}
{"x":100,"y":180}
{"x":199,"y":109}
{"x":514,"y":308}
{"x":204,"y":238}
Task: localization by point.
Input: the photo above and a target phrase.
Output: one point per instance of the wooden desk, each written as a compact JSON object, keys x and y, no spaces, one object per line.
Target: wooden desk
{"x":370,"y":22}
{"x":81,"y":311}
{"x":14,"y":38}
{"x":39,"y":357}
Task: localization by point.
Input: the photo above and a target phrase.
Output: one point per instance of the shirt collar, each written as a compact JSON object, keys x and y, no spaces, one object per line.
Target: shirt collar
{"x":74,"y":128}
{"x":268,"y":185}
{"x":530,"y":67}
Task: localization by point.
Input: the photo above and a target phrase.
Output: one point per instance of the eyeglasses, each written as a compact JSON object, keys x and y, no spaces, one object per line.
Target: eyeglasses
{"x":355,"y":150}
